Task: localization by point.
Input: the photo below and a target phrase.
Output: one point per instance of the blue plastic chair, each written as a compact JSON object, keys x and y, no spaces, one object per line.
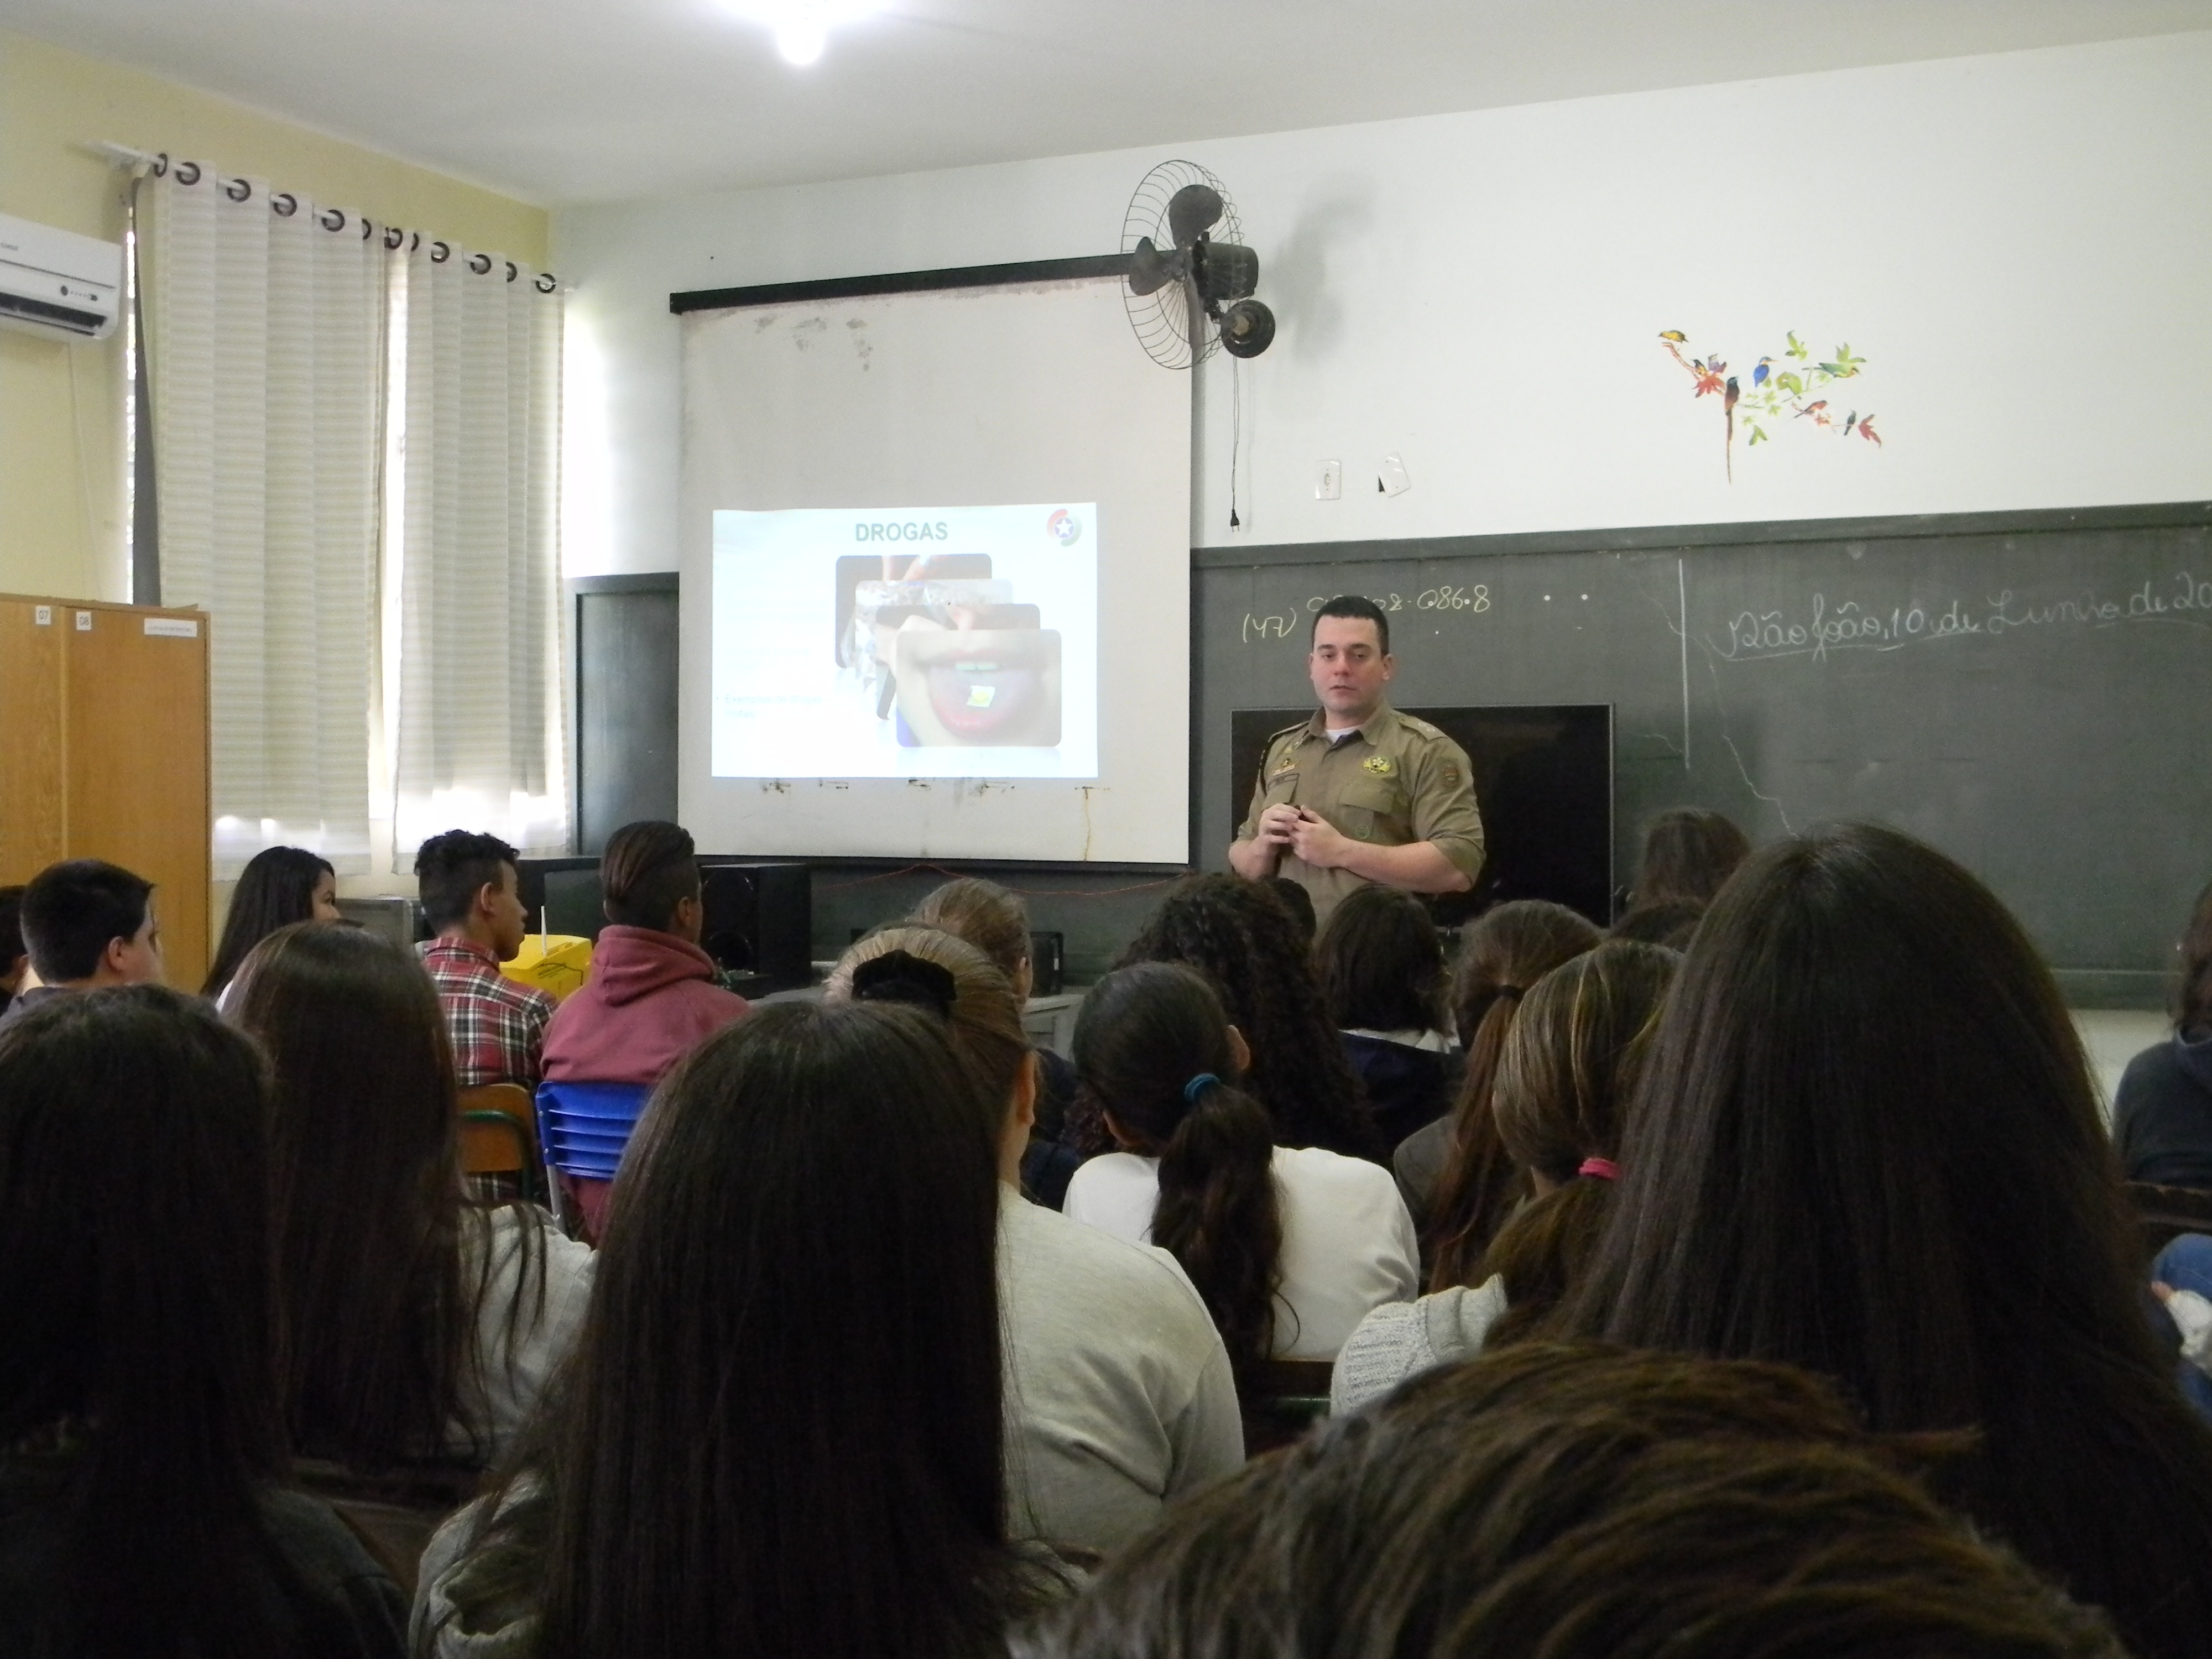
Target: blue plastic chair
{"x":587,"y":1125}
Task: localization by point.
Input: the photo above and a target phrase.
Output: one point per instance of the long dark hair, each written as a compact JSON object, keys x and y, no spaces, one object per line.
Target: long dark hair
{"x":1237,"y":934}
{"x":380,"y":1319}
{"x":1381,"y":964}
{"x":781,"y":1432}
{"x":2192,"y":1011}
{"x":1501,"y":958}
{"x":1577,"y":1501}
{"x":1866,"y":1142}
{"x":133,"y":1280}
{"x":1688,"y":853}
{"x":1145,"y":1036}
{"x":1567,"y":1064}
{"x":275,"y":889}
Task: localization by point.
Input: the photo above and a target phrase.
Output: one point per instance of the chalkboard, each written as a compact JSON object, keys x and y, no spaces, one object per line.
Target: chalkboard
{"x":2030,"y":691}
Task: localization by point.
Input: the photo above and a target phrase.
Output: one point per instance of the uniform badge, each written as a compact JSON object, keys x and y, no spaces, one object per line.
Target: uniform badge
{"x":1381,"y":765}
{"x":1451,"y":775}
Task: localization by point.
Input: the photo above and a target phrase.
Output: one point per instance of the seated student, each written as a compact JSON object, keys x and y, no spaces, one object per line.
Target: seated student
{"x":651,"y":994}
{"x":782,"y":1434}
{"x":15,"y":961}
{"x":87,"y":924}
{"x":1121,"y":1397}
{"x":1580,"y":1503}
{"x":142,"y":1442}
{"x":2162,"y":1112}
{"x":1382,"y":971}
{"x":280,"y":886}
{"x":468,"y":887}
{"x":997,"y":923}
{"x":1562,"y":1076}
{"x":1299,"y":902}
{"x":1291,"y":1247}
{"x":1455,"y":1175}
{"x":418,"y":1324}
{"x":1865,"y":1141}
{"x":1238,"y":935}
{"x":1688,"y":855}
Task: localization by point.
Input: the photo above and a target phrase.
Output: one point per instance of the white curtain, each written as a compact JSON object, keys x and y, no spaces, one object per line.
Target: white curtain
{"x":478,"y":727}
{"x":265,"y":342}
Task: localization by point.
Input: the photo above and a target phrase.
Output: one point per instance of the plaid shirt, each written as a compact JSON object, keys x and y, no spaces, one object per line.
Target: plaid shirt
{"x":498,"y":1026}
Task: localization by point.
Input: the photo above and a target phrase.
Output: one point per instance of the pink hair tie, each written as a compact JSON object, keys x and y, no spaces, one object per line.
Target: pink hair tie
{"x":1603,"y":1168}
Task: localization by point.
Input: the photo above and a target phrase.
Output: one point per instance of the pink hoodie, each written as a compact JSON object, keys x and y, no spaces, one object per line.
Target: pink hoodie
{"x":649,"y":999}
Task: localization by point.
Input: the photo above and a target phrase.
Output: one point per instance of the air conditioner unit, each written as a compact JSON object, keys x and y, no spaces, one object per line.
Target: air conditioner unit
{"x":57,"y":283}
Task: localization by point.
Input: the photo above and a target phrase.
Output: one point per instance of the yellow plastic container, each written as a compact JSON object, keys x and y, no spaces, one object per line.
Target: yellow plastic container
{"x":553,"y":962}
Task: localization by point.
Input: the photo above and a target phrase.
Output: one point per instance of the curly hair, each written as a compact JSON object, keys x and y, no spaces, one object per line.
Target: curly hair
{"x":1238,"y":935}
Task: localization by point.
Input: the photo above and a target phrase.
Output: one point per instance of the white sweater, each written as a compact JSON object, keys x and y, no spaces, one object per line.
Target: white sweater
{"x":1348,"y":1243}
{"x":1119,"y":1397}
{"x":1407,"y":1338}
{"x":515,"y":1373}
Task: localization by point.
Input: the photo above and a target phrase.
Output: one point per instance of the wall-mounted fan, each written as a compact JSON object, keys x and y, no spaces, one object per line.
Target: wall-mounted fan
{"x":1191,"y":277}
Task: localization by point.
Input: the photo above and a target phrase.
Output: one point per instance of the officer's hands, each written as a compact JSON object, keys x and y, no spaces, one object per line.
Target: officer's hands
{"x":1276,"y":825}
{"x":1317,"y":840}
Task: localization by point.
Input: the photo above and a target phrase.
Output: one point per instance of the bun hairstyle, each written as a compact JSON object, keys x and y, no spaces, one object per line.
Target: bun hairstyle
{"x":990,"y":917}
{"x":1563,"y":1082}
{"x":1152,"y":1049}
{"x":943,"y":973}
{"x":1505,"y":951}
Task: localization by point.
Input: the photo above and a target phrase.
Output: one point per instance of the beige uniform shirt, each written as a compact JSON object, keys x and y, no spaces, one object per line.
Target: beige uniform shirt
{"x":1395,"y":781}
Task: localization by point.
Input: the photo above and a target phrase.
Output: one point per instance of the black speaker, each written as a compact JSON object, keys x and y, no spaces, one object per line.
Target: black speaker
{"x":760,"y":922}
{"x":1047,"y":964}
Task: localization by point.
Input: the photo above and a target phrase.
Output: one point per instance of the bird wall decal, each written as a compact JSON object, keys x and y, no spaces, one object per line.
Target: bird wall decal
{"x":1779,"y":388}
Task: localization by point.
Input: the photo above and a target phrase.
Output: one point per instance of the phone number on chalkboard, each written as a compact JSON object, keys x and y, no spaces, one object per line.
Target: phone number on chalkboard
{"x":1471,"y":600}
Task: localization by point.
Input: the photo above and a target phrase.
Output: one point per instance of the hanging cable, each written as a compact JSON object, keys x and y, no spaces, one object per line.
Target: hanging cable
{"x":1236,"y":434}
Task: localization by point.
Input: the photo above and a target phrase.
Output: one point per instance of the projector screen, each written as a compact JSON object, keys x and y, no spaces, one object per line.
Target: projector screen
{"x":936,"y":578}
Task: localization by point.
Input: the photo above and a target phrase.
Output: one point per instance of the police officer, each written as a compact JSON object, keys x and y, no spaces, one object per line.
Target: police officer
{"x":1360,"y":793}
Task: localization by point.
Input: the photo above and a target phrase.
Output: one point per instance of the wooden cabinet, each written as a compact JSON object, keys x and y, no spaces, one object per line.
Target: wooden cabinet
{"x":104,"y":753}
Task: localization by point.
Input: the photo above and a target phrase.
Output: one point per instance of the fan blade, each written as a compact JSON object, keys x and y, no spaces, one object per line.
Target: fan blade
{"x":1192,"y":211}
{"x":1150,"y":269}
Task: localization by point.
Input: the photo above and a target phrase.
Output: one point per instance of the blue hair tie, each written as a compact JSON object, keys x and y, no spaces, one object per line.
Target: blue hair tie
{"x":1198,"y":1086}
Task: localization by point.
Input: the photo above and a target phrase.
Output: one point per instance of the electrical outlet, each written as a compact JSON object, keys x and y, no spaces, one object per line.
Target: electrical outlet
{"x":1328,"y":482}
{"x":1393,"y":480}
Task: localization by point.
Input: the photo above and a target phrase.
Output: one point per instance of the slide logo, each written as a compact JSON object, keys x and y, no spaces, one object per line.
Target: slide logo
{"x":1064,"y":527}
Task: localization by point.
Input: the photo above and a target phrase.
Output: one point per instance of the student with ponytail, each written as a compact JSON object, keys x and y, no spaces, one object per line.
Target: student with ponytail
{"x":1289,"y":1247}
{"x":1455,"y":1177}
{"x":1564,"y":1072}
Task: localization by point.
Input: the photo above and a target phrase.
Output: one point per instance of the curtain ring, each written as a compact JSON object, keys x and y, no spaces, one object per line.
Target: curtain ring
{"x":188,"y":172}
{"x":394,"y":239}
{"x":513,"y":270}
{"x":160,"y":167}
{"x":413,"y":241}
{"x":332,"y":218}
{"x":439,"y":253}
{"x":480,"y":264}
{"x":546,"y":282}
{"x":237,"y":189}
{"x":368,"y":230}
{"x":283,"y":204}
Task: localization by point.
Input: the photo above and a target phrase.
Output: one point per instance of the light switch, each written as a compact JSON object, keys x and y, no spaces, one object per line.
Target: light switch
{"x":1329,"y":481}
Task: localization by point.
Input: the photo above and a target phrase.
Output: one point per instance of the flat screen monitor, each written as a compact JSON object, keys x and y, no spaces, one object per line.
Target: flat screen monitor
{"x":1543,"y":780}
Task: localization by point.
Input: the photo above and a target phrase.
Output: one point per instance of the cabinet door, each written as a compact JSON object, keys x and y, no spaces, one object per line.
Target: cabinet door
{"x":138,"y":763}
{"x":33,"y":803}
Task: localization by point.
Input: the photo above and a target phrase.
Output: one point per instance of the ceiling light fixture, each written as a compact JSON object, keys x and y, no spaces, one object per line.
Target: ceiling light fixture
{"x":802,"y":26}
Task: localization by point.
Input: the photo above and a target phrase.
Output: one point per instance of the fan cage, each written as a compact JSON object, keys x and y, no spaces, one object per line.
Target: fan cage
{"x":1163,"y":318}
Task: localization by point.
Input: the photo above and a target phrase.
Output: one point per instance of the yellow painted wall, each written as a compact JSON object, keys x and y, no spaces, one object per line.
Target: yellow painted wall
{"x":61,"y":454}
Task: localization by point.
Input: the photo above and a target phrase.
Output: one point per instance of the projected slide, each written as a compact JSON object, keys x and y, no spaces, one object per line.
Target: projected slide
{"x":927,"y":641}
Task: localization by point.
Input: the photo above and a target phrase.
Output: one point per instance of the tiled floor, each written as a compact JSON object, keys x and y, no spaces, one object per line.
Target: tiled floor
{"x":2114,"y":1038}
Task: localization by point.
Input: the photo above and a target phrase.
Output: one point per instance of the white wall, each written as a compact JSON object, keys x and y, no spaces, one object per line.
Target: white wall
{"x":2019,"y":246}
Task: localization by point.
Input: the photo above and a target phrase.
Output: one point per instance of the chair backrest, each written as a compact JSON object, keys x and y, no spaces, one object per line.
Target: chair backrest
{"x":1281,"y":1399}
{"x":2164,"y":1213}
{"x":587,"y":1125}
{"x":499,"y":1129}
